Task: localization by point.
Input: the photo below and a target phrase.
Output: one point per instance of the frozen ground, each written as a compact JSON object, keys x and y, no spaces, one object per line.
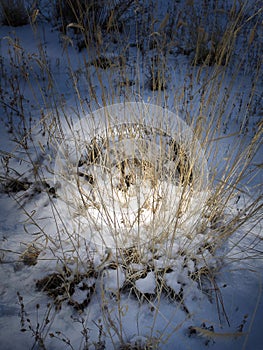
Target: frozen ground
{"x":98,"y":303}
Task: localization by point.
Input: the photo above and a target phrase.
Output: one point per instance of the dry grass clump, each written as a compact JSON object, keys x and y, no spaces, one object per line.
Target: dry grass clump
{"x":91,"y":21}
{"x":14,"y":13}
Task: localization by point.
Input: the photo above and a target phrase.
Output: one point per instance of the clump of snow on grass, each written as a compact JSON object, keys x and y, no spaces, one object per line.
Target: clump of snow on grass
{"x":79,"y":296}
{"x":171,"y":280}
{"x":113,"y":280}
{"x":146,"y":285}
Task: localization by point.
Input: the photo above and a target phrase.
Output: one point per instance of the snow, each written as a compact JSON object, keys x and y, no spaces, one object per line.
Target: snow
{"x":113,"y":279}
{"x":102,"y":284}
{"x":172,"y":281}
{"x":146,"y":284}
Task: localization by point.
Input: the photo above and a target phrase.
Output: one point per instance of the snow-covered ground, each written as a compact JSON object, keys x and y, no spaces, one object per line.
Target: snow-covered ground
{"x":66,"y":281}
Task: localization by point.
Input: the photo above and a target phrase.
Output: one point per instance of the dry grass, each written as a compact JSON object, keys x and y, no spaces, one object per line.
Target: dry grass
{"x":14,"y":13}
{"x":128,"y":66}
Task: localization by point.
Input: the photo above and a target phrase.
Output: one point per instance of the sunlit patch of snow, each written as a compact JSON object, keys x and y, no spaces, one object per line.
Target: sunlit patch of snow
{"x":130,"y":206}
